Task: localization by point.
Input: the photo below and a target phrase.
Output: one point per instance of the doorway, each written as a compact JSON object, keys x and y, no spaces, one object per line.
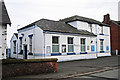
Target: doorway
{"x":25,"y":51}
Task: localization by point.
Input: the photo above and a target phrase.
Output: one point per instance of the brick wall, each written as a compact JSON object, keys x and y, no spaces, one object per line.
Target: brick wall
{"x":29,"y":67}
{"x":119,"y":40}
{"x":114,"y":32}
{"x":114,"y":37}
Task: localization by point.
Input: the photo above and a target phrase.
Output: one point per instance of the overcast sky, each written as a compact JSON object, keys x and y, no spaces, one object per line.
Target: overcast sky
{"x":23,"y":12}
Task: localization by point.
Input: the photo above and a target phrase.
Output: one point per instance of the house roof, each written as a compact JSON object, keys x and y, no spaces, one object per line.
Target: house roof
{"x":116,"y":22}
{"x":16,"y":34}
{"x":4,"y":17}
{"x":57,"y":26}
{"x":84,"y":19}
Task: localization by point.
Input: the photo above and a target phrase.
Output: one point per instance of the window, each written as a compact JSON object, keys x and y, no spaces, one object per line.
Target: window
{"x":30,"y":44}
{"x":63,"y":48}
{"x":14,"y":51}
{"x":20,"y":44}
{"x":55,"y":44}
{"x":90,"y":26}
{"x":70,"y":45}
{"x":101,"y":45}
{"x":83,"y":46}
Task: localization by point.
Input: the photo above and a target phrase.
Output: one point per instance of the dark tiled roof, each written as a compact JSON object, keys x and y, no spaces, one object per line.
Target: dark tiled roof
{"x":4,"y":17}
{"x":84,"y":19}
{"x":57,"y":26}
{"x":116,"y":22}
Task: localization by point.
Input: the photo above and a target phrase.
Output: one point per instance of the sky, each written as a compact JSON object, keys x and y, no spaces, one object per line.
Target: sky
{"x":24,"y":12}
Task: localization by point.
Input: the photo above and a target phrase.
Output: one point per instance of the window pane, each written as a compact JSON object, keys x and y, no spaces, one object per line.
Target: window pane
{"x":30,"y":44}
{"x":30,"y":40}
{"x":82,"y":41}
{"x":82,"y":48}
{"x":20,"y":44}
{"x":14,"y":49}
{"x":55,"y":40}
{"x":30,"y":48}
{"x":20,"y":47}
{"x":101,"y":45}
{"x":70,"y":48}
{"x":14,"y":43}
{"x":101,"y":48}
{"x":55,"y":48}
{"x":20,"y":41}
{"x":14,"y":46}
{"x":70,"y":40}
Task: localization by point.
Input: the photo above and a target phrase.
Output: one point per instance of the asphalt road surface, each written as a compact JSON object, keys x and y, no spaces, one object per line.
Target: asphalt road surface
{"x":106,"y":75}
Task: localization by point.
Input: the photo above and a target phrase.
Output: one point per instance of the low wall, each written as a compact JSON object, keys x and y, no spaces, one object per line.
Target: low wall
{"x":20,"y":67}
{"x":103,"y":54}
{"x":74,"y":57}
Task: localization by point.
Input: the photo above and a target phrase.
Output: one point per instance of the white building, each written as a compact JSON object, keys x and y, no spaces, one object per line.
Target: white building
{"x":14,"y":44}
{"x":67,"y":39}
{"x":4,"y":21}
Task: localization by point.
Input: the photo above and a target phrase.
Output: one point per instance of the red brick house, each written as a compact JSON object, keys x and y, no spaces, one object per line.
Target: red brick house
{"x":115,"y":33}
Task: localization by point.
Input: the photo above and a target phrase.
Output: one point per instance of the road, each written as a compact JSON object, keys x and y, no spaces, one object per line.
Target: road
{"x":100,"y":69}
{"x":106,"y":75}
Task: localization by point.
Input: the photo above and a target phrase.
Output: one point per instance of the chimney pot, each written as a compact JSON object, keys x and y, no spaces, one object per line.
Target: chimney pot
{"x":106,"y":18}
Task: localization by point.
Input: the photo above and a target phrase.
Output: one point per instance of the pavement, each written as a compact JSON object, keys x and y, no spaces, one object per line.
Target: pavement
{"x":99,"y":69}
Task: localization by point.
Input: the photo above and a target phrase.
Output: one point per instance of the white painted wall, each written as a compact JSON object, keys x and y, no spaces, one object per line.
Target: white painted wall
{"x":0,"y":42}
{"x":63,"y":40}
{"x":12,"y":55}
{"x":3,"y":41}
{"x":37,"y":41}
{"x":96,"y":29}
{"x":106,"y":37}
{"x":74,"y":24}
{"x":82,"y":25}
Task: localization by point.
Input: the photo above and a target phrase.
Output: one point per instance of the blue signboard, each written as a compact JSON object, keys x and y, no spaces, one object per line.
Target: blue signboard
{"x":92,"y":48}
{"x":107,"y":48}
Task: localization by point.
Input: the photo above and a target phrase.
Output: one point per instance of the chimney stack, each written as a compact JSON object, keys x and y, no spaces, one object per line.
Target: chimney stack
{"x":106,"y":19}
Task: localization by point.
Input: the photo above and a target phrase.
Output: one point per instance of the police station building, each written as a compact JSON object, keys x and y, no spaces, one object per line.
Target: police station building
{"x":71,"y":38}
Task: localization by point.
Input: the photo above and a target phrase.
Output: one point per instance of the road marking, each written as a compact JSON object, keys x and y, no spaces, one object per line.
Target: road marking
{"x":87,"y":73}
